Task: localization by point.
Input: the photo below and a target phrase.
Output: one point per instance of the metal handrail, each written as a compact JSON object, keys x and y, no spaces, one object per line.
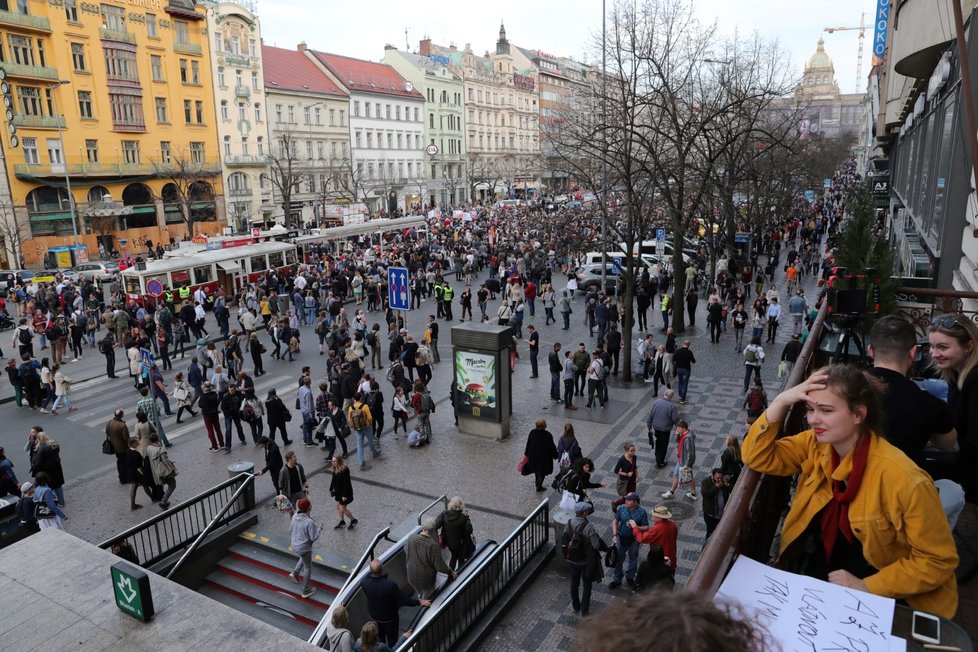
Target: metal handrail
{"x":443,"y":499}
{"x":722,"y":546}
{"x":163,"y":531}
{"x":210,"y":526}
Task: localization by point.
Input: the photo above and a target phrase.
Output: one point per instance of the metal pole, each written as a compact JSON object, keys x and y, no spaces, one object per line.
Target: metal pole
{"x":64,"y":154}
{"x":969,"y":99}
{"x":604,"y":140}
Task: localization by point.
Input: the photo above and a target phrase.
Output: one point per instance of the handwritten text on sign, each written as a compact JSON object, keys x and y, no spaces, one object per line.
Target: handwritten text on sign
{"x":804,"y":614}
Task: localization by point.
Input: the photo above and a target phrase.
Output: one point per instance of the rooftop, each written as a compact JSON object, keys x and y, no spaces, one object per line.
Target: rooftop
{"x":291,"y":70}
{"x":367,"y":76}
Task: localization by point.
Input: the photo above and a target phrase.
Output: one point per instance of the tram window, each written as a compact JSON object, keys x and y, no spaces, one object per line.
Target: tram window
{"x":202,"y":275}
{"x":290,"y":256}
{"x":132,"y":285}
{"x":258,"y":263}
{"x":275,"y":260}
{"x":180,"y":278}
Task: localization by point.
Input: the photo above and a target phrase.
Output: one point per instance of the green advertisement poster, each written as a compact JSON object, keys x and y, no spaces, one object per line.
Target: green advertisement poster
{"x":475,"y":378}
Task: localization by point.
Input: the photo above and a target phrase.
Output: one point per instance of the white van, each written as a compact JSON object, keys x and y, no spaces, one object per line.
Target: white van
{"x":594,"y":258}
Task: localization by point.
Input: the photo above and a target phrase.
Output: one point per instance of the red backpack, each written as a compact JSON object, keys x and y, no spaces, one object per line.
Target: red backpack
{"x":756,"y":400}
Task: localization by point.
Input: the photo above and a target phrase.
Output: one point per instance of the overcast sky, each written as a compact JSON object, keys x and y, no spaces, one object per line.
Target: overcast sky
{"x":559,"y":27}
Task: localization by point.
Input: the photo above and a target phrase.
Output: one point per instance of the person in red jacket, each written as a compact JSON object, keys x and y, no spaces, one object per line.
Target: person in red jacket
{"x":662,"y":531}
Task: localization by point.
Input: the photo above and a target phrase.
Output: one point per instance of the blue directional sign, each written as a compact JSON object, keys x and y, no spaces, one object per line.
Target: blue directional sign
{"x":810,"y":196}
{"x":660,"y":235}
{"x":398,"y":291}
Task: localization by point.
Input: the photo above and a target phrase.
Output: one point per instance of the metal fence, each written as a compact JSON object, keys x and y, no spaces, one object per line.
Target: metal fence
{"x":468,"y":602}
{"x":176,"y":528}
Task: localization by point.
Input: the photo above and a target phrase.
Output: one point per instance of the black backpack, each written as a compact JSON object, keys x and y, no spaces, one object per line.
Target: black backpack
{"x":24,"y":336}
{"x":574,"y":544}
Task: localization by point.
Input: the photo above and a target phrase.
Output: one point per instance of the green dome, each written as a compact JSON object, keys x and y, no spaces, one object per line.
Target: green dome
{"x":820,"y":59}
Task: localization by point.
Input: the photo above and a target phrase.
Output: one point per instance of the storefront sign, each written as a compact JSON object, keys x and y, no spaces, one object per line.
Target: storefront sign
{"x":475,"y":378}
{"x":881,"y":186}
{"x":879,"y":34}
{"x":133,"y":594}
{"x":522,"y":81}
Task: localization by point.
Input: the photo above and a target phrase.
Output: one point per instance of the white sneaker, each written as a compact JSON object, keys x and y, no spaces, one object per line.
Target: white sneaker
{"x":667,"y":494}
{"x":692,"y":496}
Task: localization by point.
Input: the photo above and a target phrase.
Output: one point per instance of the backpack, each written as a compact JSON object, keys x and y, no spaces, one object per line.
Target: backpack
{"x":358,"y":418}
{"x":755,"y":401}
{"x":601,"y":372}
{"x":29,"y":373}
{"x":427,"y":405}
{"x":249,"y":412}
{"x":102,"y":347}
{"x":574,"y":545}
{"x":751,"y":354}
{"x":390,"y":371}
{"x":24,"y":336}
{"x":370,"y":338}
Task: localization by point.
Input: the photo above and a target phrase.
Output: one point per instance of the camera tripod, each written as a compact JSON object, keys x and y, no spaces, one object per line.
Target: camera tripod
{"x":848,"y":336}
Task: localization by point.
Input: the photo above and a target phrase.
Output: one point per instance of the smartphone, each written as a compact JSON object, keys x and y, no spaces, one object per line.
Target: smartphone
{"x":926,"y":627}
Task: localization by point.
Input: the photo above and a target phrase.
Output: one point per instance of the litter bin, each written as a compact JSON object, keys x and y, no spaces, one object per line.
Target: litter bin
{"x":246,"y":500}
{"x":238,"y":468}
{"x":561,"y":518}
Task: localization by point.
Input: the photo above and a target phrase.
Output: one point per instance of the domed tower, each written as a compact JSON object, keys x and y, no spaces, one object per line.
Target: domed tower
{"x":819,"y":77}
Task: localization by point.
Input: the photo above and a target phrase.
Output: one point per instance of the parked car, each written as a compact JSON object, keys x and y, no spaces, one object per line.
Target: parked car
{"x":10,"y":278}
{"x":99,"y":269}
{"x":589,"y":276}
{"x":573,"y":204}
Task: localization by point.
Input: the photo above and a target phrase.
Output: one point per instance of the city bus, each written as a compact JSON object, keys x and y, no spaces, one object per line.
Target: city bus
{"x":229,"y":268}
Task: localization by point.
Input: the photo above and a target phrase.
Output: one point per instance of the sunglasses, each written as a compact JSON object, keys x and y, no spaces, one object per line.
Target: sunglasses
{"x":945,"y":321}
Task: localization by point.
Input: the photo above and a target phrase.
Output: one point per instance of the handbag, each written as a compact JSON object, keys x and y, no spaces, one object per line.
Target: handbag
{"x":107,"y":447}
{"x":611,"y":557}
{"x":568,"y":501}
{"x":783,"y":369}
{"x":622,"y":486}
{"x":288,"y":415}
{"x":41,"y":509}
{"x":523,"y":466}
{"x":442,"y":542}
{"x":685,"y":474}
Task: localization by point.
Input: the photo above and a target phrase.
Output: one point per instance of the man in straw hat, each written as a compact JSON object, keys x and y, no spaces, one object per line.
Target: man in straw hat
{"x":662,"y":531}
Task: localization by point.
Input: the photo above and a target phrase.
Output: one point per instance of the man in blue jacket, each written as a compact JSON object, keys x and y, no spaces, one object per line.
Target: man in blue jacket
{"x":384,"y":598}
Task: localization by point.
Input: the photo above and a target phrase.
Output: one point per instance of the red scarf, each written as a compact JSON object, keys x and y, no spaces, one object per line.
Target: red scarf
{"x":835,"y":517}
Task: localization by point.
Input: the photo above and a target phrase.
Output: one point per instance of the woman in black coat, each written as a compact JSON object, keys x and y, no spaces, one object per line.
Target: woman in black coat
{"x":275,"y":413}
{"x":540,"y":453}
{"x":341,"y":489}
{"x":46,"y":457}
{"x":580,"y":479}
{"x":456,"y":528}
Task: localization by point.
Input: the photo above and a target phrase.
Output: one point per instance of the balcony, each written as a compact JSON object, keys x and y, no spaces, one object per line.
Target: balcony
{"x":108,"y":170}
{"x":231,"y":59}
{"x":37,"y":23}
{"x":38,"y":121}
{"x":238,"y":192}
{"x":121,"y":35}
{"x":30,"y":72}
{"x":188,"y":48}
{"x":244,"y":161}
{"x":242,"y":91}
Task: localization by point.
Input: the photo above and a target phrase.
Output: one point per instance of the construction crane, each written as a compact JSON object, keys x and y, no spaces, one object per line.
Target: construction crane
{"x":862,"y":41}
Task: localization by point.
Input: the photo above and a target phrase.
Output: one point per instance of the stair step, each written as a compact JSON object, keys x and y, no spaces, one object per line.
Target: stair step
{"x":303,"y":608}
{"x":278,"y":560}
{"x":279,"y":545}
{"x":275,"y":580}
{"x":269,"y":616}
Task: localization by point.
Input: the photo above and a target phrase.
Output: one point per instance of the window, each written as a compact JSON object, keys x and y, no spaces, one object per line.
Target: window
{"x":114,"y":18}
{"x":121,"y":64}
{"x":30,"y":100}
{"x":224,"y":110}
{"x":78,"y":56}
{"x":54,"y":152}
{"x":161,"y":110}
{"x":387,"y":113}
{"x":85,"y":104}
{"x":71,"y":10}
{"x":187,"y":111}
{"x":220,"y":75}
{"x":366,"y":107}
{"x":332,"y":150}
{"x":390,"y":140}
{"x":151,"y":26}
{"x":397,"y":110}
{"x":319,"y":116}
{"x":244,"y":146}
{"x":91,"y":151}
{"x":254,"y":81}
{"x":127,"y":110}
{"x":306,"y":119}
{"x":130,"y":151}
{"x":237,"y":78}
{"x":20,"y":50}
{"x":199,"y":111}
{"x":202,"y":274}
{"x":309,"y":149}
{"x":156,"y":67}
{"x":218,"y":43}
{"x":357,"y":137}
{"x":257,"y":112}
{"x":227,"y":146}
{"x":356,"y":108}
{"x":195,"y":73}
{"x":291,"y":114}
{"x":254,"y":47}
{"x":235,"y":45}
{"x":165,"y":153}
{"x":197,"y":152}
{"x":30,"y":150}
{"x":320,"y":150}
{"x":241,"y":111}
{"x":261,"y":146}
{"x":278,"y":113}
{"x":181,"y":31}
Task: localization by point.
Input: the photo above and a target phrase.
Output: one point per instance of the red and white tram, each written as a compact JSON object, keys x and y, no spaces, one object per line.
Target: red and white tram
{"x":229,"y":268}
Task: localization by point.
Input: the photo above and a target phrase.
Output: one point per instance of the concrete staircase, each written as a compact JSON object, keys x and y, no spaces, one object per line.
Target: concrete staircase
{"x":253,"y":579}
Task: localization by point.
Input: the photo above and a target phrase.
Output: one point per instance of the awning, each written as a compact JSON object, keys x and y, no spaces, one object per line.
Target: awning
{"x":229,"y":266}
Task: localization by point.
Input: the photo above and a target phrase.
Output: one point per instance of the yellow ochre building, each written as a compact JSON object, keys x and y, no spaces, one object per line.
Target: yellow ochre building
{"x":129,"y":84}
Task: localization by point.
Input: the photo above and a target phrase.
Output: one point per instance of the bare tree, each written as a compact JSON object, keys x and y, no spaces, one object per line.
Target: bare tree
{"x":14,"y":233}
{"x":191,"y":181}
{"x":285,"y":173}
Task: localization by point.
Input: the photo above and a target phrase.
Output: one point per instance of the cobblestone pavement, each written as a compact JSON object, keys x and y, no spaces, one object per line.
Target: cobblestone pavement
{"x":395,"y":487}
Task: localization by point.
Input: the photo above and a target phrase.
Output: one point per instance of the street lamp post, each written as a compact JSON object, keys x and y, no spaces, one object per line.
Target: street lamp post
{"x":316,"y":209}
{"x":64,"y":155}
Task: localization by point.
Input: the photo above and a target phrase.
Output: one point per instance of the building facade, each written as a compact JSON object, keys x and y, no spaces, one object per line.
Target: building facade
{"x":309,"y":157}
{"x":827,"y":112}
{"x":114,"y":100}
{"x":241,"y":119}
{"x":444,"y":128}
{"x":386,"y":132}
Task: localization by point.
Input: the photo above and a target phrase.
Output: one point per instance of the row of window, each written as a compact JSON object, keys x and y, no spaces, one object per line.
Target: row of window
{"x":238,"y":79}
{"x":497,"y":141}
{"x":388,"y":113}
{"x":444,"y":96}
{"x":369,"y":138}
{"x":338,"y":149}
{"x":242,"y":111}
{"x":131,"y":153}
{"x":311,"y":115}
{"x":493,"y":119}
{"x":385,"y":170}
{"x":498,"y":99}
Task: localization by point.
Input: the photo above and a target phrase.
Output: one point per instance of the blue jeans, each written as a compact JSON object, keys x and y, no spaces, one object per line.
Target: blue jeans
{"x":532,"y":304}
{"x":683,"y":376}
{"x":158,"y":422}
{"x":308,"y":423}
{"x":367,"y":435}
{"x":310,"y":315}
{"x":555,"y":385}
{"x":236,"y":420}
{"x":952,"y":500}
{"x":631,"y":550}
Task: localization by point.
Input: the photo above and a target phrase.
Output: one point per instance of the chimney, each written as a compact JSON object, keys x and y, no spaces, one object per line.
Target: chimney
{"x":388,"y":46}
{"x":424,"y":47}
{"x":302,"y":46}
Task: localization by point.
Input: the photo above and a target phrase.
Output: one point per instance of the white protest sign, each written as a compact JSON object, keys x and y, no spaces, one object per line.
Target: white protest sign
{"x":804,"y":614}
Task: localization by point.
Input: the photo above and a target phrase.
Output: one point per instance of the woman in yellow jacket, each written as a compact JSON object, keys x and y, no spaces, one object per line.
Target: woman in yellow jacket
{"x":863,"y":516}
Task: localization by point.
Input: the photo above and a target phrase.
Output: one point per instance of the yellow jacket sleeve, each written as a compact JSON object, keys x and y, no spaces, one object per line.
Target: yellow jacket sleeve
{"x":765,"y":453}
